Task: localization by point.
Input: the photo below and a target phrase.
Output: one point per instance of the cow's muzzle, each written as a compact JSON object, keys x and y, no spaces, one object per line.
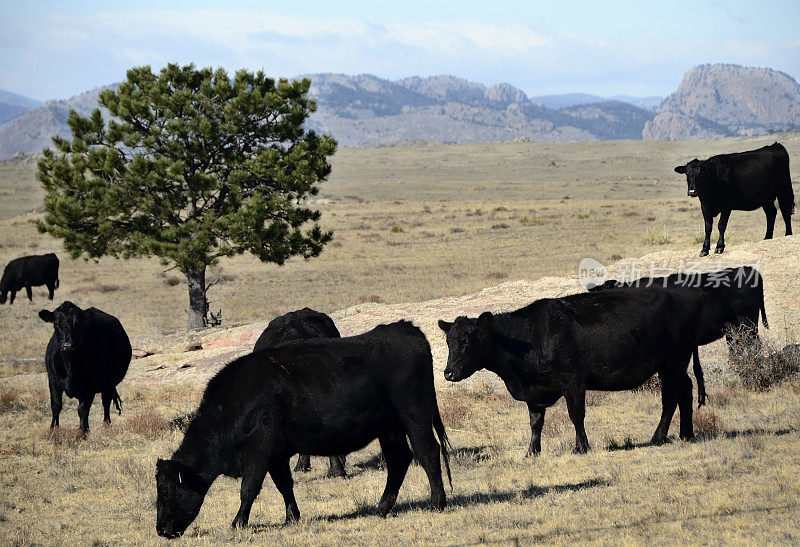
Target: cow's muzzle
{"x":449,"y":375}
{"x":67,"y":346}
{"x":692,"y":193}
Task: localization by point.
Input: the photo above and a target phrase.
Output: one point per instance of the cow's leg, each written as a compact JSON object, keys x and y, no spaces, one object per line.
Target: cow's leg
{"x":252,"y":481}
{"x":56,"y":401}
{"x":282,"y":477}
{"x":51,"y":289}
{"x":303,"y":463}
{"x":536,"y":414}
{"x":336,"y":467}
{"x":107,"y":398}
{"x":786,"y":203}
{"x":669,"y":401}
{"x":12,"y":297}
{"x":576,"y":407}
{"x":771,"y":211}
{"x":708,"y":222}
{"x":29,"y":292}
{"x":398,"y":457}
{"x":426,"y":452}
{"x":685,"y":405}
{"x":721,"y":226}
{"x":83,"y":412}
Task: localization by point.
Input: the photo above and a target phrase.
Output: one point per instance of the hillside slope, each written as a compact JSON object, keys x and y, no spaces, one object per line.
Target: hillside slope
{"x":175,"y":357}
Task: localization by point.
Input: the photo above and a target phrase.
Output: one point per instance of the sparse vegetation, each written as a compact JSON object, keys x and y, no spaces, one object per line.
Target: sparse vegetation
{"x":760,"y":364}
{"x":736,"y":485}
{"x":657,"y":239}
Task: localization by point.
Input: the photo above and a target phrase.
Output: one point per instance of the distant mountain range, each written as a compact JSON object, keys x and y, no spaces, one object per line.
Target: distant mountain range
{"x":712,"y":101}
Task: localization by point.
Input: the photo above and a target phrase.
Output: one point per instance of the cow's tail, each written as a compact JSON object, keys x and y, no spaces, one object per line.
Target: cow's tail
{"x":57,"y":282}
{"x":764,"y":313}
{"x":698,"y":374}
{"x":438,"y":426}
{"x":117,"y":402}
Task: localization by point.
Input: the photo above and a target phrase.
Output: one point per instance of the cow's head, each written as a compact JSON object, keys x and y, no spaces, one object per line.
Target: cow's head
{"x":180,"y":496}
{"x":694,"y":176}
{"x":470,"y":345}
{"x":69,"y":323}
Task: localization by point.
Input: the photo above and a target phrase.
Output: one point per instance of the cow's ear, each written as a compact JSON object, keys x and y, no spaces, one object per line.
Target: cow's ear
{"x":445,"y":326}
{"x":46,"y":316}
{"x":485,"y":321}
{"x":680,"y":169}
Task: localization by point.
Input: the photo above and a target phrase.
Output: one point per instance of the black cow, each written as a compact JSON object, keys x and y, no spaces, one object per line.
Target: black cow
{"x":733,"y":298}
{"x":741,"y":182}
{"x":297,"y":325}
{"x":608,"y":341}
{"x":262,"y":408}
{"x":89,"y":353}
{"x":29,"y":271}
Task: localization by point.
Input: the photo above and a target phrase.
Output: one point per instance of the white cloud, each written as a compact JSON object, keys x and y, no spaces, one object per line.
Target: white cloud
{"x":60,"y":55}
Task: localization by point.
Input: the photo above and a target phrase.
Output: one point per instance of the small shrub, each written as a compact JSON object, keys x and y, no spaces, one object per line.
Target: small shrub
{"x":64,"y":436}
{"x":453,"y":410}
{"x":650,"y":219}
{"x":501,"y":226}
{"x":657,"y":239}
{"x":707,"y":424}
{"x":500,"y":209}
{"x":616,"y":256}
{"x":758,"y":363}
{"x":9,"y":400}
{"x":582,"y":215}
{"x":630,"y":214}
{"x":456,"y":230}
{"x":723,"y":396}
{"x":396,"y":229}
{"x":171,"y":281}
{"x":496,"y":275}
{"x":148,"y":423}
{"x":531,"y":220}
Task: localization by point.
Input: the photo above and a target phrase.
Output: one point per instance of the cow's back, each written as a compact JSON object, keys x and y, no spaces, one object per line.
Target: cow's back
{"x":302,"y":324}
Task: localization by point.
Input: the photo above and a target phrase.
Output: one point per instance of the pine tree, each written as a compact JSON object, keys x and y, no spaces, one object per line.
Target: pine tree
{"x":191,"y":167}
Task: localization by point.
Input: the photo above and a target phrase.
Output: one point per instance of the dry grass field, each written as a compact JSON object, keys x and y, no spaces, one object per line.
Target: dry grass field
{"x":414,"y":223}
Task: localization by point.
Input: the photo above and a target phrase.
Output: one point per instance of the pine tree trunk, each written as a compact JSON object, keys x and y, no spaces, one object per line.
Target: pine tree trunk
{"x":197,"y":298}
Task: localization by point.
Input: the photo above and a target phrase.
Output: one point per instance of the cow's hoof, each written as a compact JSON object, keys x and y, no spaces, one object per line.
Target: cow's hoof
{"x":719,"y":250}
{"x":703,"y":253}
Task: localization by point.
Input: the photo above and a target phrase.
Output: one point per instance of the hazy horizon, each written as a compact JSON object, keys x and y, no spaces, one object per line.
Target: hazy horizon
{"x":52,"y":50}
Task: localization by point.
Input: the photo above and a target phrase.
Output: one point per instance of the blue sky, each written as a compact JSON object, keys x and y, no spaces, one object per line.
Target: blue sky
{"x":54,"y":50}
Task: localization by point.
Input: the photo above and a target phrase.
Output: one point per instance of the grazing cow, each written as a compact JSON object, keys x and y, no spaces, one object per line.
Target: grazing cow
{"x":29,"y":271}
{"x":733,"y":298}
{"x":297,"y":325}
{"x":89,"y":353}
{"x":608,"y":341}
{"x":741,"y":182}
{"x":264,"y":407}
